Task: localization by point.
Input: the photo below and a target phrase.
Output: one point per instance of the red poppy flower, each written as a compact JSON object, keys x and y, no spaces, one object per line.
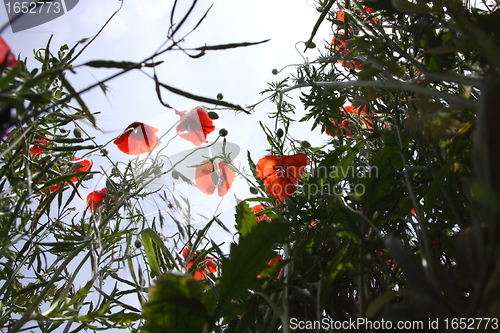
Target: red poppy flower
{"x":81,"y":166}
{"x":360,"y":113}
{"x":39,"y":142}
{"x":93,"y":199}
{"x":256,"y":210}
{"x":195,"y":125}
{"x":6,"y":56}
{"x":273,"y":261}
{"x":280,"y":174}
{"x":138,"y":138}
{"x":351,"y":64}
{"x":204,"y":266}
{"x":207,"y":179}
{"x":340,"y":43}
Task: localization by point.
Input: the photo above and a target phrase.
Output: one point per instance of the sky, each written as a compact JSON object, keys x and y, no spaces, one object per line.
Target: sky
{"x":137,"y":31}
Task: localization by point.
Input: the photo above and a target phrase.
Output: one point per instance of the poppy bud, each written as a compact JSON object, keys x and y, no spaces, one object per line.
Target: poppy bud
{"x":175,"y":175}
{"x":213,"y":115}
{"x":311,"y":45}
{"x":104,"y":152}
{"x":305,"y":144}
{"x":215,"y":177}
{"x":220,"y":96}
{"x":77,"y":132}
{"x":223,"y":132}
{"x":138,"y":243}
{"x":275,"y":71}
{"x":279,"y":133}
{"x":62,"y":130}
{"x":253,"y":190}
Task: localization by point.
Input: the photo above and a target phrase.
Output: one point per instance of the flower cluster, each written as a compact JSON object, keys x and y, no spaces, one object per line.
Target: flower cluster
{"x":39,"y":142}
{"x":194,"y":126}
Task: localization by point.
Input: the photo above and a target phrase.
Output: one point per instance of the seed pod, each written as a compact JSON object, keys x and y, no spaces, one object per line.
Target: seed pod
{"x":279,"y":133}
{"x":220,"y":96}
{"x":275,"y":71}
{"x":311,"y":45}
{"x":213,"y":115}
{"x":253,"y":190}
{"x":215,"y":177}
{"x":223,"y":132}
{"x":77,"y":132}
{"x":138,"y":243}
{"x":305,"y":144}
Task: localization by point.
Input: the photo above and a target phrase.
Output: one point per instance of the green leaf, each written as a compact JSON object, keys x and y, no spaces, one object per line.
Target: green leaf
{"x":161,"y":245}
{"x":175,"y":305}
{"x":200,"y":98}
{"x":342,"y":169}
{"x":149,"y":250}
{"x":245,"y":218}
{"x":119,"y":64}
{"x":325,"y":10}
{"x":229,"y":46}
{"x":246,"y":260}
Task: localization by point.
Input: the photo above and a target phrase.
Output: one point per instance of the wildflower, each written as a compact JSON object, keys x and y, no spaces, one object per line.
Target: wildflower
{"x":78,"y":165}
{"x":271,"y":262}
{"x":361,"y":114}
{"x":195,"y":125}
{"x":138,"y":138}
{"x":258,"y":208}
{"x":280,"y":174}
{"x":204,"y":266}
{"x":207,"y":179}
{"x":39,"y":143}
{"x":93,"y":199}
{"x":7,"y":58}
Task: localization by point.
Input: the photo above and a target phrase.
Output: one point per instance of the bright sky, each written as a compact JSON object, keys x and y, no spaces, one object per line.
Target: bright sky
{"x":239,"y":74}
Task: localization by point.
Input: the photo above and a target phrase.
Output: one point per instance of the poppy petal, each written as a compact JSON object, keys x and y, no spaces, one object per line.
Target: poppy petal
{"x":266,"y":166}
{"x":227,"y":177}
{"x":6,"y":55}
{"x":294,"y":165}
{"x":93,"y":198}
